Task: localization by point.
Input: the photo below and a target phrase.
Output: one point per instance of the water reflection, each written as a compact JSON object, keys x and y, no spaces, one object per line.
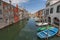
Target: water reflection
{"x":23,"y":30}
{"x":28,"y":32}
{"x":10,"y":32}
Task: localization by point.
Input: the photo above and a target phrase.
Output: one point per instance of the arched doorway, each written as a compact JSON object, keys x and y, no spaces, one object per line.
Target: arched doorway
{"x":56,"y":21}
{"x":49,"y":20}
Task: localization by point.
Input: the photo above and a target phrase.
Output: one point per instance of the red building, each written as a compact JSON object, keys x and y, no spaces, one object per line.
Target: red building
{"x":16,"y":14}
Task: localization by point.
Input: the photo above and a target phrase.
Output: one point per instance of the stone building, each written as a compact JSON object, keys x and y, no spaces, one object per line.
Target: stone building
{"x":23,"y":14}
{"x":39,"y":13}
{"x":10,"y":14}
{"x":52,"y":12}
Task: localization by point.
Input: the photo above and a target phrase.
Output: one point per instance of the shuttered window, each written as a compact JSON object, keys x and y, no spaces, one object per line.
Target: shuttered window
{"x":0,"y":11}
{"x":0,"y":18}
{"x":47,"y":11}
{"x":58,"y":9}
{"x":0,"y":2}
{"x":51,"y":10}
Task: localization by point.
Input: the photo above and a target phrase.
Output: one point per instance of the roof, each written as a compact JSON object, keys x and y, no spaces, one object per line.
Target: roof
{"x":55,"y":3}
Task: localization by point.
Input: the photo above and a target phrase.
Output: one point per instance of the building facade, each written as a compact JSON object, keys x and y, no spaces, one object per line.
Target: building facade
{"x":23,"y":14}
{"x":10,"y":14}
{"x":1,"y":14}
{"x":39,"y":13}
{"x":26,"y":15}
{"x":52,"y":13}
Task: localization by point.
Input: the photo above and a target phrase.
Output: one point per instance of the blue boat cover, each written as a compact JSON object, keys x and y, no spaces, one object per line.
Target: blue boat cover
{"x":47,"y":33}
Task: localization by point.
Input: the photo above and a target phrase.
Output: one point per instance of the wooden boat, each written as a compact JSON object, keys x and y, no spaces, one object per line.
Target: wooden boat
{"x":47,"y":33}
{"x":44,"y":28}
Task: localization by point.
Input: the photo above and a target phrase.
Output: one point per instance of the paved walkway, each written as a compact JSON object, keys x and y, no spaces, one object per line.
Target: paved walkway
{"x":2,"y":25}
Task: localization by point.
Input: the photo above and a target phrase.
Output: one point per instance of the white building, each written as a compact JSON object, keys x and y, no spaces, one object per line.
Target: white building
{"x":1,"y":16}
{"x":23,"y":14}
{"x":52,"y":1}
{"x":6,"y":14}
{"x":52,"y":12}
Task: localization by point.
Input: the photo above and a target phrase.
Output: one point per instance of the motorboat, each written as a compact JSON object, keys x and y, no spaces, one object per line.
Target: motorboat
{"x":41,"y":24}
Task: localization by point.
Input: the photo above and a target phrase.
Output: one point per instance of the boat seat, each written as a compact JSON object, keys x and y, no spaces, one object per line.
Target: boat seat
{"x":46,"y":33}
{"x":41,"y":34}
{"x":53,"y":30}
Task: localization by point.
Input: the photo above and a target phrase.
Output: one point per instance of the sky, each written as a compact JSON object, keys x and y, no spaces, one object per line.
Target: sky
{"x":31,"y":6}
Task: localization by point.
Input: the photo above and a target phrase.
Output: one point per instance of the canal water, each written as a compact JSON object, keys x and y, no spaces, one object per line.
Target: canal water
{"x":23,"y":30}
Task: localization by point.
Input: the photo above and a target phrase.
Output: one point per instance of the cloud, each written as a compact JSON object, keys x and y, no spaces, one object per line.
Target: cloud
{"x":16,"y":1}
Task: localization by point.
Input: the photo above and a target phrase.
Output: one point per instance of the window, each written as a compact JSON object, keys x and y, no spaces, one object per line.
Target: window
{"x":39,"y":13}
{"x":0,"y":11}
{"x":58,"y":9}
{"x":8,"y":7}
{"x":0,"y":18}
{"x":5,"y":7}
{"x":51,"y":10}
{"x":44,"y":13}
{"x":56,"y":21}
{"x":47,"y":11}
{"x":49,"y":19}
{"x":0,"y":2}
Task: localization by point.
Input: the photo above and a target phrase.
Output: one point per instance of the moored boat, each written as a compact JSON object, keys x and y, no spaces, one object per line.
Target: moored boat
{"x":48,"y":33}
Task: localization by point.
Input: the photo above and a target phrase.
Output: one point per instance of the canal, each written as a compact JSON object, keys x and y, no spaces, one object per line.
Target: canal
{"x":23,"y":30}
